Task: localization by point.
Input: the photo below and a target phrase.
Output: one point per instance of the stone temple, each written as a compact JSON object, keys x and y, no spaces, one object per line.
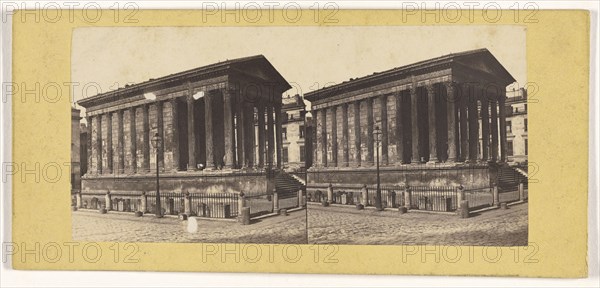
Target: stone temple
{"x":433,"y":116}
{"x":205,"y":118}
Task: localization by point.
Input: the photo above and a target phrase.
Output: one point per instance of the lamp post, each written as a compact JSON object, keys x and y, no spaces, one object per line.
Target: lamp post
{"x":156,"y":142}
{"x":377,"y":133}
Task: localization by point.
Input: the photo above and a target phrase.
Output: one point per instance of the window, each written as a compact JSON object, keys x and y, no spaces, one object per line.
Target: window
{"x":509,"y":148}
{"x":302,"y":151}
{"x":285,"y":155}
{"x":525,"y":124}
{"x":525,"y":108}
{"x":284,"y":132}
{"x":301,"y":131}
{"x":526,"y":144}
{"x":508,"y":127}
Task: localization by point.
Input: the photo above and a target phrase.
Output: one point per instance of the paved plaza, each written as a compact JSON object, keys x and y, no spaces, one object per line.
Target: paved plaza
{"x":346,"y":225}
{"x":120,"y":227}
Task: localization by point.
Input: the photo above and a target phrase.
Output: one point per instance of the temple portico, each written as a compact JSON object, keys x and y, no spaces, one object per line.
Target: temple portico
{"x":429,"y":116}
{"x":204,"y":116}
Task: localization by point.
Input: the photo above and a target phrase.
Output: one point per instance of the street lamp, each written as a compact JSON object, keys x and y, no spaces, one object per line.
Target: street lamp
{"x":156,"y":142}
{"x":377,"y":133}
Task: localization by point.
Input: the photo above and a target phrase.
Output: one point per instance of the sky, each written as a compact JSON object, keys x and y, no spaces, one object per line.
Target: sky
{"x":309,"y":58}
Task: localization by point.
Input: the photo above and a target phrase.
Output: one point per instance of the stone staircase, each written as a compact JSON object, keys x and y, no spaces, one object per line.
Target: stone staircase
{"x":510,"y":177}
{"x":287,"y":185}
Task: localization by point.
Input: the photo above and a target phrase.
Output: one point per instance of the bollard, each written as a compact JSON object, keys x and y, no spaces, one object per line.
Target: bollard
{"x":245,"y":216}
{"x":108,"y":201}
{"x":187,"y":204}
{"x":496,"y":196}
{"x":144,"y":203}
{"x":79,"y":200}
{"x":464,"y":209}
{"x":364,"y":196}
{"x":330,"y":194}
{"x":503,"y":206}
{"x":522,"y":192}
{"x":300,"y":199}
{"x":241,"y":202}
{"x":275,"y":201}
{"x":402,"y":210}
{"x":407,"y":198}
{"x":460,"y":195}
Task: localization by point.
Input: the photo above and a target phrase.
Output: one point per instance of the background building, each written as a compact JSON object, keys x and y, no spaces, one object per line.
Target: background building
{"x":516,"y":125}
{"x":75,"y":151}
{"x":294,"y":138}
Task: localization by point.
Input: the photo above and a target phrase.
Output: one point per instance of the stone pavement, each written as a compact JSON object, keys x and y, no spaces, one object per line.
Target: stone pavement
{"x":346,"y":225}
{"x":118,"y":227}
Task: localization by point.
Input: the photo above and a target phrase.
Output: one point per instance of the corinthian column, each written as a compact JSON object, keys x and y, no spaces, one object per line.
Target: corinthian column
{"x":191,"y":133}
{"x":334,"y":146}
{"x":432,"y":124}
{"x":451,"y":107}
{"x":357,"y":141}
{"x":208,"y":128}
{"x":345,"y":153}
{"x":120,"y":143}
{"x":228,"y":128}
{"x":414,"y":125}
{"x":384,"y":129}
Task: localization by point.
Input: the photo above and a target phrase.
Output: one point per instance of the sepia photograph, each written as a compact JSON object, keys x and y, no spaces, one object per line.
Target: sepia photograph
{"x":362,"y":135}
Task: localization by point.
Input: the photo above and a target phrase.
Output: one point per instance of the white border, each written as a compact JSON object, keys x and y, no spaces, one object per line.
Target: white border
{"x":13,"y":278}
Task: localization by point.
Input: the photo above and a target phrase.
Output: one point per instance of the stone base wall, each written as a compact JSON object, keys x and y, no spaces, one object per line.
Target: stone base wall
{"x":469,"y":176}
{"x":251,"y":183}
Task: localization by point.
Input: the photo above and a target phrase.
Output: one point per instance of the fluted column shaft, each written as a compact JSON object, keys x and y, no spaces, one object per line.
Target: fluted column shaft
{"x":323,"y":137}
{"x":451,"y":116}
{"x":485,"y":128}
{"x":208,"y":131}
{"x":345,"y":145}
{"x":370,"y":139}
{"x":191,"y":133}
{"x":384,"y":130}
{"x":414,"y":125}
{"x":503,"y":143}
{"x":99,"y":144}
{"x":431,"y":104}
{"x":279,"y":136}
{"x":146,"y":139}
{"x":334,"y":144}
{"x":400,"y":137}
{"x":494,"y":130}
{"x":175,"y":133}
{"x":261,"y":135}
{"x":228,"y":133}
{"x":357,"y":142}
{"x":109,"y":146}
{"x":133,"y":140}
{"x":120,"y":143}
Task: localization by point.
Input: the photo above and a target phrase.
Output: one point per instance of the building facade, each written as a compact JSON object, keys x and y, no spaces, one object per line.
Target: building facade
{"x":204,"y":120}
{"x":294,"y":133}
{"x":75,"y":151}
{"x":427,"y":113}
{"x":516,"y":126}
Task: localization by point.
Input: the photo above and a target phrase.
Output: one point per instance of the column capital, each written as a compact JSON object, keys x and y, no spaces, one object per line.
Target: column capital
{"x":430,"y":88}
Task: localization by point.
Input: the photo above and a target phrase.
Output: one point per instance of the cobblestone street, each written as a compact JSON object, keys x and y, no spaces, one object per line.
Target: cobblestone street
{"x":118,"y":227}
{"x":345,"y":225}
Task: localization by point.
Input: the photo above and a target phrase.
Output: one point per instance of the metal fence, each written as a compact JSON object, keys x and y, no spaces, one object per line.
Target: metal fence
{"x":214,"y":205}
{"x":170,"y":203}
{"x":259,"y":204}
{"x":479,"y":197}
{"x":93,"y":201}
{"x":439,"y":198}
